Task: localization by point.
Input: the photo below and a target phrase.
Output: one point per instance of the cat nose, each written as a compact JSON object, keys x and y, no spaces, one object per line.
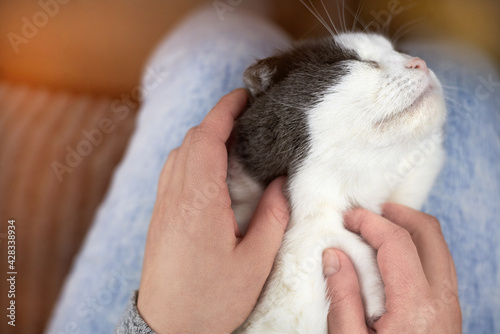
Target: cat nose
{"x":417,"y":63}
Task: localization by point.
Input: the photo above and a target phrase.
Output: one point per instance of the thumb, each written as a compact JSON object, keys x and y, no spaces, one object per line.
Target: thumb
{"x":346,"y":313}
{"x":267,"y":226}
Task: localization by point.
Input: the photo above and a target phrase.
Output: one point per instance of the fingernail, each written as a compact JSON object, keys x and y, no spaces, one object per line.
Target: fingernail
{"x":331,"y":263}
{"x":237,"y":90}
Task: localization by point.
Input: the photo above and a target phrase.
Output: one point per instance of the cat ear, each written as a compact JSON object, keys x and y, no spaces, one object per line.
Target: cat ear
{"x":260,"y":76}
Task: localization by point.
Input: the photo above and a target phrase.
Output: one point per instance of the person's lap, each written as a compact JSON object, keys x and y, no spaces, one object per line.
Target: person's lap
{"x":203,"y":60}
{"x":200,"y":62}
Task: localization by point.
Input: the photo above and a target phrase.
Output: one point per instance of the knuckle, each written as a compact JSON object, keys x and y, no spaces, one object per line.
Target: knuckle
{"x":173,"y":154}
{"x":401,"y":235}
{"x":340,"y":296}
{"x":199,"y":135}
{"x":185,"y":205}
{"x":278,"y":216}
{"x":433,"y":223}
{"x":190,"y":132}
{"x":225,"y":102}
{"x":362,"y":215}
{"x":357,"y":216}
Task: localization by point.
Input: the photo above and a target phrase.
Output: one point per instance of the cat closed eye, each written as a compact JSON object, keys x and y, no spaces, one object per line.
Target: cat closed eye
{"x":372,"y":63}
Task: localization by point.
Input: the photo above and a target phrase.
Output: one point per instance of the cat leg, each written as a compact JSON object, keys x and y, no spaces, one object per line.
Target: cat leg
{"x":294,"y":299}
{"x":245,"y":194}
{"x":364,"y":260}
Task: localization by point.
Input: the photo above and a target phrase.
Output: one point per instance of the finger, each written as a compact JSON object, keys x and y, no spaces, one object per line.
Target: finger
{"x":265,"y":231}
{"x":219,"y":121}
{"x":426,"y":234}
{"x":167,"y":171}
{"x":397,"y":256}
{"x":346,"y":313}
{"x":176,"y":164}
{"x":453,"y":274}
{"x":208,"y":152}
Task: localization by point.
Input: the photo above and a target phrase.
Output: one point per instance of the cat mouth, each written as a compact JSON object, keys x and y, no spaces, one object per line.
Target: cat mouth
{"x":425,"y":94}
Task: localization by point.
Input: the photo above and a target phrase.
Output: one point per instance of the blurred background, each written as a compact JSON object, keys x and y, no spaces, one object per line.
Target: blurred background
{"x":64,"y":64}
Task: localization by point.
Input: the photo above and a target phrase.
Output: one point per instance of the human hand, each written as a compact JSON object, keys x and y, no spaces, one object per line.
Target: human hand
{"x":417,"y":270}
{"x":198,"y":276}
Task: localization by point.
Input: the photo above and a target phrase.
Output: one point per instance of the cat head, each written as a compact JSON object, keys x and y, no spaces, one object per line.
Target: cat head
{"x":354,"y":86}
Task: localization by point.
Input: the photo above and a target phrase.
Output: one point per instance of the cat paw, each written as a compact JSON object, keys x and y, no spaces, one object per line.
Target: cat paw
{"x":375,"y":306}
{"x":370,"y":320}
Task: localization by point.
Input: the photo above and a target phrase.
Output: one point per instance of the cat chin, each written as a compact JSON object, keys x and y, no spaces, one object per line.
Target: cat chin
{"x":429,"y":117}
{"x":416,"y":122}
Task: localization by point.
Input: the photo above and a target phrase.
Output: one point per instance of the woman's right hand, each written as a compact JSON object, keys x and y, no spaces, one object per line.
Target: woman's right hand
{"x":417,"y":270}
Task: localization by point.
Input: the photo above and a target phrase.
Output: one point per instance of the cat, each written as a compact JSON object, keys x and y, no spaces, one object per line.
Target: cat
{"x":352,"y":123}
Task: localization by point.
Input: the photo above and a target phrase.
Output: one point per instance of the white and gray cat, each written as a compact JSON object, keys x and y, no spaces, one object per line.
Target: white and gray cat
{"x":352,"y":123}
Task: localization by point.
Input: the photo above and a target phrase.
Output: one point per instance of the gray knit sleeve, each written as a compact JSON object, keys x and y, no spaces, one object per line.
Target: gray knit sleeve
{"x":131,"y":321}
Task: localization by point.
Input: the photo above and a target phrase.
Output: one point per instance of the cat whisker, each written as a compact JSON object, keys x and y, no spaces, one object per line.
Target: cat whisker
{"x":443,"y":67}
{"x":406,"y":28}
{"x":339,"y":11}
{"x":317,"y":11}
{"x":318,"y":17}
{"x":402,"y":10}
{"x":451,"y":99}
{"x":357,"y":16}
{"x":388,"y":24}
{"x":395,"y":39}
{"x":343,"y":15}
{"x":450,"y":87}
{"x":342,"y":19}
{"x":368,"y":25}
{"x":357,"y":19}
{"x":304,"y":36}
{"x":466,"y":110}
{"x":329,"y":17}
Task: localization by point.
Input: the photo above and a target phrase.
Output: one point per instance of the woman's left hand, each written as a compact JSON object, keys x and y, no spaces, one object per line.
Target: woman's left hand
{"x":198,"y":276}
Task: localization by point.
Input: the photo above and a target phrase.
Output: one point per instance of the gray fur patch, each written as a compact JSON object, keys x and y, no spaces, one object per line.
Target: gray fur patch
{"x":271,"y":138}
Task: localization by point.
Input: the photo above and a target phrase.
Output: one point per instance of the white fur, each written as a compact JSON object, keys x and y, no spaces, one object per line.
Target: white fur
{"x":245,"y":194}
{"x":366,"y":136}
